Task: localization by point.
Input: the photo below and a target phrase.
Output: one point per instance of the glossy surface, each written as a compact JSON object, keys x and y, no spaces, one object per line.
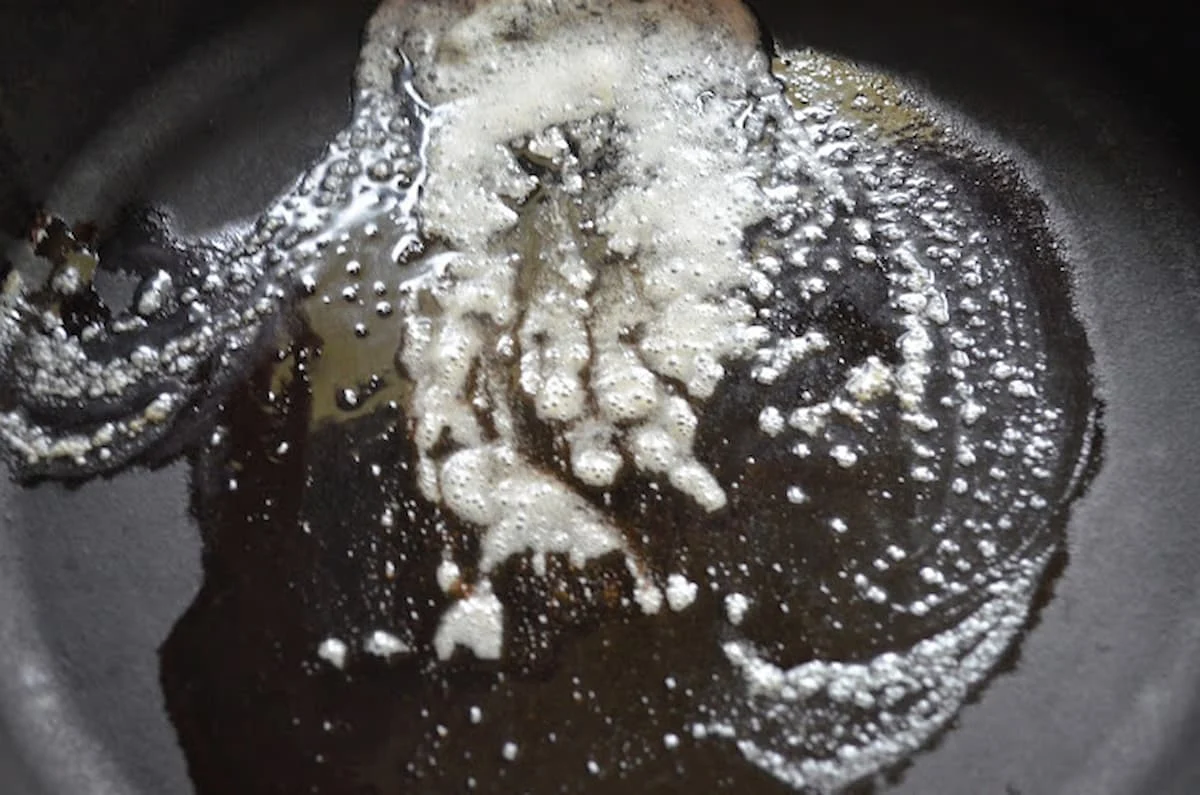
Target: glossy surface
{"x":996,"y":717}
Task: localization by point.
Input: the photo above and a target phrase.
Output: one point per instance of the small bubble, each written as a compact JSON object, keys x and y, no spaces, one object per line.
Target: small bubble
{"x":796,"y":495}
{"x":348,"y":399}
{"x":380,"y":170}
{"x":844,"y":456}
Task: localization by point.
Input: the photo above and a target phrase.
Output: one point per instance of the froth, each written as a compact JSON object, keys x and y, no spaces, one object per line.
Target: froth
{"x":594,"y":181}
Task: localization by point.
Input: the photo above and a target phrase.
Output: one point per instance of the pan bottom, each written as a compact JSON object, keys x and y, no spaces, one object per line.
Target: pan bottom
{"x":237,"y":553}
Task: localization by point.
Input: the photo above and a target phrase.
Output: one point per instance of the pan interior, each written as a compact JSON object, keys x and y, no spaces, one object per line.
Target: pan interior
{"x":1103,"y":603}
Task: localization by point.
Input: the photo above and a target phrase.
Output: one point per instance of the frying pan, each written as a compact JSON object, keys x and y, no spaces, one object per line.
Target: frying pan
{"x":1103,"y":695}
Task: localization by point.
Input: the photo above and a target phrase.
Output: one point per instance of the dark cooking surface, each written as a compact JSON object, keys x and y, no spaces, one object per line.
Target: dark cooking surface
{"x":107,"y":600}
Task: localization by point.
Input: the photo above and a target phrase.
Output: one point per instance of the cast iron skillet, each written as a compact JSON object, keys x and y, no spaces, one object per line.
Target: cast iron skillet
{"x":1104,"y":695}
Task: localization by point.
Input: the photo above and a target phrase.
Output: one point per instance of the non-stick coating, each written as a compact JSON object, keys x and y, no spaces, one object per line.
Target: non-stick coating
{"x":1103,"y":697}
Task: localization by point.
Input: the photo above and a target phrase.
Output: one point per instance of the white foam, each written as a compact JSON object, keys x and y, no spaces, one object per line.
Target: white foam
{"x":680,"y":186}
{"x":736,"y":607}
{"x":448,"y":575}
{"x":476,"y":623}
{"x":681,"y":592}
{"x":941,"y":669}
{"x":333,"y":651}
{"x":385,"y":644}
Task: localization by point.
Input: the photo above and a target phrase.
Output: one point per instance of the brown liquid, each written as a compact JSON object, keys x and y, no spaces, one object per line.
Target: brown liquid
{"x":257,"y":712}
{"x":291,"y":497}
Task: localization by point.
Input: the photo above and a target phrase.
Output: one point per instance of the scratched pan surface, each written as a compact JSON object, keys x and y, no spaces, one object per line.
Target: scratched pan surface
{"x":212,"y":110}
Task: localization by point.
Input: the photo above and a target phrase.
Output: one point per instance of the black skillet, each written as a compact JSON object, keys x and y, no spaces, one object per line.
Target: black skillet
{"x":1103,"y":695}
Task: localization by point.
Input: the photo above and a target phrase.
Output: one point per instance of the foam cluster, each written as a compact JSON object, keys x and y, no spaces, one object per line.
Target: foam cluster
{"x":593,"y":181}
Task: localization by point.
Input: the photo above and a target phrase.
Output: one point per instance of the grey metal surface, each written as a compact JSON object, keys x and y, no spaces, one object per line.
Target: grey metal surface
{"x":110,"y":566}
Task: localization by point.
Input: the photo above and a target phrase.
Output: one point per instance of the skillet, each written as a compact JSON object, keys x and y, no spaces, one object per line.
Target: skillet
{"x":1103,"y":695}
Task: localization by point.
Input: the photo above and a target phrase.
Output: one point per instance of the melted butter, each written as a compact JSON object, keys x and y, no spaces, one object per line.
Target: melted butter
{"x":597,"y":357}
{"x":871,"y":98}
